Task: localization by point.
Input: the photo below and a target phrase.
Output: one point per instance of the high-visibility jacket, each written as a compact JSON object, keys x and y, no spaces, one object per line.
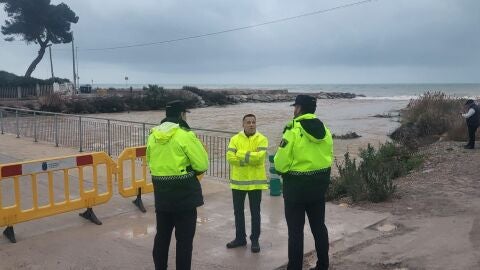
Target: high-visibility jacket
{"x":175,"y":156}
{"x":247,"y":156}
{"x":175,"y":151}
{"x":306,"y":147}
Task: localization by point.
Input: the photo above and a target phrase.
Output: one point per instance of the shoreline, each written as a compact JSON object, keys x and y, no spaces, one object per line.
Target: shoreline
{"x":155,"y":98}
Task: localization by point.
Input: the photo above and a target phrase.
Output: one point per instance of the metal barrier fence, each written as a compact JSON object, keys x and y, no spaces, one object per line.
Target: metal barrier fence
{"x":36,"y":189}
{"x":99,"y":134}
{"x":19,"y":92}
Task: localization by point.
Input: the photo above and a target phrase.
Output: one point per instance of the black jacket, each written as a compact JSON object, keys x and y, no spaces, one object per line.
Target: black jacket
{"x":474,"y":120}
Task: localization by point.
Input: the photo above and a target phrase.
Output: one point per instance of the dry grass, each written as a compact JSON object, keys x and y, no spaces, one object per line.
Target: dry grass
{"x":431,"y":117}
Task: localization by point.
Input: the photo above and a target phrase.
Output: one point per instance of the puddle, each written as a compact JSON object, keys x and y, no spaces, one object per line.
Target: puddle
{"x":139,"y":231}
{"x":203,"y":220}
{"x":386,"y":228}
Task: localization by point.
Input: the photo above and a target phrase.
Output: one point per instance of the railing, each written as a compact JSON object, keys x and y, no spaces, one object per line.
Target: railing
{"x":20,"y":92}
{"x":94,"y":134}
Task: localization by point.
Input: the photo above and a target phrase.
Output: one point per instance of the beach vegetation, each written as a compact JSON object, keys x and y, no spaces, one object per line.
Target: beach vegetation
{"x":8,"y":79}
{"x":431,"y":117}
{"x":372,"y":176}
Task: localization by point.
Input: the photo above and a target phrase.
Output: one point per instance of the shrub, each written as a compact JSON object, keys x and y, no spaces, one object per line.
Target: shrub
{"x":156,"y":97}
{"x":373,"y":177}
{"x":10,"y":79}
{"x":109,"y":104}
{"x":348,"y":182}
{"x":51,"y":103}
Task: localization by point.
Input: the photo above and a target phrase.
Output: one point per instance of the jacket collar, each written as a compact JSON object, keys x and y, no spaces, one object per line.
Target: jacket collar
{"x":305,"y":116}
{"x":176,"y":120}
{"x":242,"y":133}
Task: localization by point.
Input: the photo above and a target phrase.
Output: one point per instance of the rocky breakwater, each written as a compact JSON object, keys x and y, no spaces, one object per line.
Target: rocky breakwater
{"x":267,"y":96}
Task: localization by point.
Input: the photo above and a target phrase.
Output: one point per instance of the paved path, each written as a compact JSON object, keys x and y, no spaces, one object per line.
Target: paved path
{"x":125,"y":239}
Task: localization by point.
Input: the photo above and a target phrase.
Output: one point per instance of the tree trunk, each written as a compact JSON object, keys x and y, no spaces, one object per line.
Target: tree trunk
{"x":37,"y":60}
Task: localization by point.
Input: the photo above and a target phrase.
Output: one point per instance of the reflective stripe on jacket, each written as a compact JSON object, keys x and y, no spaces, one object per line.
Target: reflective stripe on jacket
{"x":247,"y":156}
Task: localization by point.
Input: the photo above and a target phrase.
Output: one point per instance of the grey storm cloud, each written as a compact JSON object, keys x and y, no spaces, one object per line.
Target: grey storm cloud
{"x":390,"y":36}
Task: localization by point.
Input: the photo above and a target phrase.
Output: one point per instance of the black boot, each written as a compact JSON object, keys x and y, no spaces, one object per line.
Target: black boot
{"x":255,"y":246}
{"x":236,"y":243}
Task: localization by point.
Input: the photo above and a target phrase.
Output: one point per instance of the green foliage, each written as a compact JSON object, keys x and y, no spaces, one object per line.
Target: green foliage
{"x":109,"y":104}
{"x":11,"y":80}
{"x":349,"y":181}
{"x":372,"y":178}
{"x":79,"y":106}
{"x":153,"y":98}
{"x":156,"y":97}
{"x":39,"y":22}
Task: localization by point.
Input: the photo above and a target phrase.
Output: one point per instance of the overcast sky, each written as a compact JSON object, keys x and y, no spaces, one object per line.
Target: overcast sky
{"x":384,"y":41}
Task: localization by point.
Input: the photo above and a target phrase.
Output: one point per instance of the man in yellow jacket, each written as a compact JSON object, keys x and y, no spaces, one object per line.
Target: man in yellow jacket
{"x":175,"y":157}
{"x":304,"y":159}
{"x":246,"y":154}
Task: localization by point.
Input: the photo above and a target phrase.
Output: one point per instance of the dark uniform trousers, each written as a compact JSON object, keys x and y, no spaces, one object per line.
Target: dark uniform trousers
{"x":295,"y":216}
{"x":254,"y":199}
{"x":184,"y":223}
{"x":471,"y":135}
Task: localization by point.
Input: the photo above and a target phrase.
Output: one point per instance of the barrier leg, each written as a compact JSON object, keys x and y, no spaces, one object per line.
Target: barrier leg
{"x":10,"y":234}
{"x":90,"y":215}
{"x":138,"y":201}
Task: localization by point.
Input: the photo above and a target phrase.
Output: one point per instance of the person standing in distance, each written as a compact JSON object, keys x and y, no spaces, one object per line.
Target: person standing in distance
{"x":473,"y":122}
{"x":175,"y":157}
{"x":246,"y":154}
{"x":304,"y":159}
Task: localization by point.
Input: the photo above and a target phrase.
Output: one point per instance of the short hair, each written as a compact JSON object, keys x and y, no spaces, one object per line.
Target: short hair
{"x":249,"y":115}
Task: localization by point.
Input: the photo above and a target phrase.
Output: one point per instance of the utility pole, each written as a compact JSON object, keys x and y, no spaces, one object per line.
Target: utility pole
{"x":76,"y":60}
{"x":74,"y":73}
{"x":51,"y":63}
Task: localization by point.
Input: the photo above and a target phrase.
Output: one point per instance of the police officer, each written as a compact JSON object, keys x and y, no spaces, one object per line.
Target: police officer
{"x":304,"y":159}
{"x":175,"y":157}
{"x":246,"y":154}
{"x":473,"y":122}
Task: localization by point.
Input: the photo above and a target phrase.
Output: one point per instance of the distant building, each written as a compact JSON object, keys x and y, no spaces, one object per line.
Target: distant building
{"x":86,"y":89}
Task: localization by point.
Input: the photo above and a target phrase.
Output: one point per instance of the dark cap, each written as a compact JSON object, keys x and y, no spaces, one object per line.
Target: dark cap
{"x":305,"y":101}
{"x":175,"y":107}
{"x":470,"y":101}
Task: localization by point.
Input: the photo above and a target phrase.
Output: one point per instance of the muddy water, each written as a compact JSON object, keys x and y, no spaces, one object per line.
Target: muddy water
{"x":340,"y":115}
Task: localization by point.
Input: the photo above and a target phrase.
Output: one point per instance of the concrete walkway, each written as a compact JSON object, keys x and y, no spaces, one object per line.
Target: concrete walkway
{"x":125,"y":239}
